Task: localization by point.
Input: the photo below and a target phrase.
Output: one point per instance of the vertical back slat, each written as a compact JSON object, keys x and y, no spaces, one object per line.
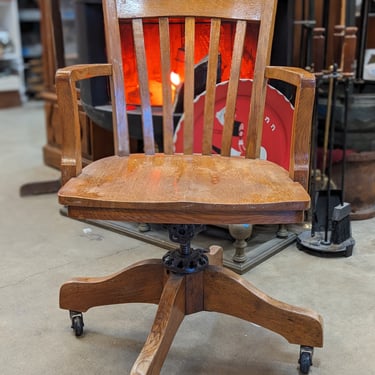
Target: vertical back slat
{"x":165,"y":54}
{"x":230,"y":106}
{"x":209,"y":104}
{"x":257,"y":104}
{"x":140,"y":52}
{"x":189,"y":85}
{"x":119,"y":117}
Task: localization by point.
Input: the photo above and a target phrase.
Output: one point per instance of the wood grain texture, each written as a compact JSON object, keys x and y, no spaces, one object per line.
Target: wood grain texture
{"x":213,"y":289}
{"x":299,"y":158}
{"x":147,"y":123}
{"x":189,"y":85}
{"x":192,"y":184}
{"x":66,"y":79}
{"x":257,"y":104}
{"x":170,"y":313}
{"x":240,"y":9}
{"x":141,"y":282}
{"x":304,"y":83}
{"x":168,"y":127}
{"x":188,"y":188}
{"x":209,"y":103}
{"x":119,"y":117}
{"x":241,"y":299}
{"x":183,"y":214}
{"x":230,"y":106}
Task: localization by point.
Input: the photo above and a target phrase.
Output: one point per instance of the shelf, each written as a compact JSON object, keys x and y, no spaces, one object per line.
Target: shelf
{"x":8,"y":56}
{"x":33,"y":15}
{"x":10,"y":83}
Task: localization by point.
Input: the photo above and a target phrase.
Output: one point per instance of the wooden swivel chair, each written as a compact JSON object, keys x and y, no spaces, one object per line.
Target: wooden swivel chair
{"x":187,"y":190}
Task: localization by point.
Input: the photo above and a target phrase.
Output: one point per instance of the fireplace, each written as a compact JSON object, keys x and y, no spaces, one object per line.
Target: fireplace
{"x":151,"y":31}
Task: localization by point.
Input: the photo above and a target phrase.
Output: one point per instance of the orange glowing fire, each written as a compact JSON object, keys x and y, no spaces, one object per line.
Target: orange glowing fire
{"x":175,"y":79}
{"x":151,"y":33}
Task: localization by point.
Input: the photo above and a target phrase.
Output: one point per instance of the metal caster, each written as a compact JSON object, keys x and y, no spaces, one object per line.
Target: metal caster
{"x":77,"y":322}
{"x":305,"y":359}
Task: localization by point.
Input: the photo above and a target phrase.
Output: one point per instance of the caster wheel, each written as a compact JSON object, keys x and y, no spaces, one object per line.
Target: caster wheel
{"x":305,"y":363}
{"x":305,"y":359}
{"x":77,"y":323}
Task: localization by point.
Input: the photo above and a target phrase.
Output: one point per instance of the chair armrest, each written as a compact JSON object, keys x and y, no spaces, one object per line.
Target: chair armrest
{"x":67,"y":101}
{"x":304,"y":82}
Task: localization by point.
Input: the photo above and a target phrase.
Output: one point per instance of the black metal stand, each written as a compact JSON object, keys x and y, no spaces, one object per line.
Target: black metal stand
{"x":185,"y":260}
{"x":330,"y":212}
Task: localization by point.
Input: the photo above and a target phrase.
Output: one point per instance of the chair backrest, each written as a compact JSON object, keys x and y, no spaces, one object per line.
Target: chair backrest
{"x":241,"y":15}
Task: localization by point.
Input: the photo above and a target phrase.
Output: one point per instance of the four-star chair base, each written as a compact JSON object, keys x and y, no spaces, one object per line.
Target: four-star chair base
{"x":213,"y":289}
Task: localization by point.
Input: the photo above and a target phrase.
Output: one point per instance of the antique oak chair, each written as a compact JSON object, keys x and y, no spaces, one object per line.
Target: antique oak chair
{"x":187,"y":190}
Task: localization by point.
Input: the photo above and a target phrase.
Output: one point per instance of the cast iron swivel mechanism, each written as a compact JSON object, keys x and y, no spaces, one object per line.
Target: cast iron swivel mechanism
{"x":185,"y":260}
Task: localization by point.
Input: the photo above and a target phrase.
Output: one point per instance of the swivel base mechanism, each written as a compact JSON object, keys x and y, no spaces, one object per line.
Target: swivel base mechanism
{"x":185,"y":260}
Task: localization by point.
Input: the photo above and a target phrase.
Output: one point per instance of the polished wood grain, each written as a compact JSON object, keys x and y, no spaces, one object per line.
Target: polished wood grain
{"x":183,"y":184}
{"x":239,"y":9}
{"x":113,"y":42}
{"x":66,"y":79}
{"x":186,"y":216}
{"x":168,"y":126}
{"x":230,"y":106}
{"x":169,"y":316}
{"x":142,"y":282}
{"x":209,"y":103}
{"x":214,"y":289}
{"x":304,"y":82}
{"x":241,"y":299}
{"x":164,"y":187}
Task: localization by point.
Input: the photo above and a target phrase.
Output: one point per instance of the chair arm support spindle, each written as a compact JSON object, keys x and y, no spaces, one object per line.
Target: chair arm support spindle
{"x":67,"y":101}
{"x":304,"y":83}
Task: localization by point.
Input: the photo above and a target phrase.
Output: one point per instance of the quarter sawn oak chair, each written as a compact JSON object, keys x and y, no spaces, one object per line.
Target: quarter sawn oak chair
{"x":187,"y":190}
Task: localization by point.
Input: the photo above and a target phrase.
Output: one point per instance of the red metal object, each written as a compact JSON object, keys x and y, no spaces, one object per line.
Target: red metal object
{"x":276,"y":130}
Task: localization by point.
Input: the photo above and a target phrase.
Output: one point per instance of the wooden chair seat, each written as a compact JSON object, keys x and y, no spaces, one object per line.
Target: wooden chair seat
{"x":194,"y":188}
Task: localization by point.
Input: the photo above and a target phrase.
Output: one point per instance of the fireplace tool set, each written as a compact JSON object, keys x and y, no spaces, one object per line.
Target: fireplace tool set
{"x":330,"y":233}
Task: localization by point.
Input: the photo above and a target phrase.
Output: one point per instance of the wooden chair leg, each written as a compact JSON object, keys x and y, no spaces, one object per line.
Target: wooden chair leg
{"x":215,"y":255}
{"x":239,"y":298}
{"x":170,"y":313}
{"x":141,"y":282}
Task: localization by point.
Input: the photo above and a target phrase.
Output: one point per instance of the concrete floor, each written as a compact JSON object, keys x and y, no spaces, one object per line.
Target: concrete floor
{"x":40,"y":249}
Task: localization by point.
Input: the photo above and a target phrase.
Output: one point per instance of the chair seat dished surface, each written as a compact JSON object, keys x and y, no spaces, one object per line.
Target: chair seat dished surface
{"x":191,"y":183}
